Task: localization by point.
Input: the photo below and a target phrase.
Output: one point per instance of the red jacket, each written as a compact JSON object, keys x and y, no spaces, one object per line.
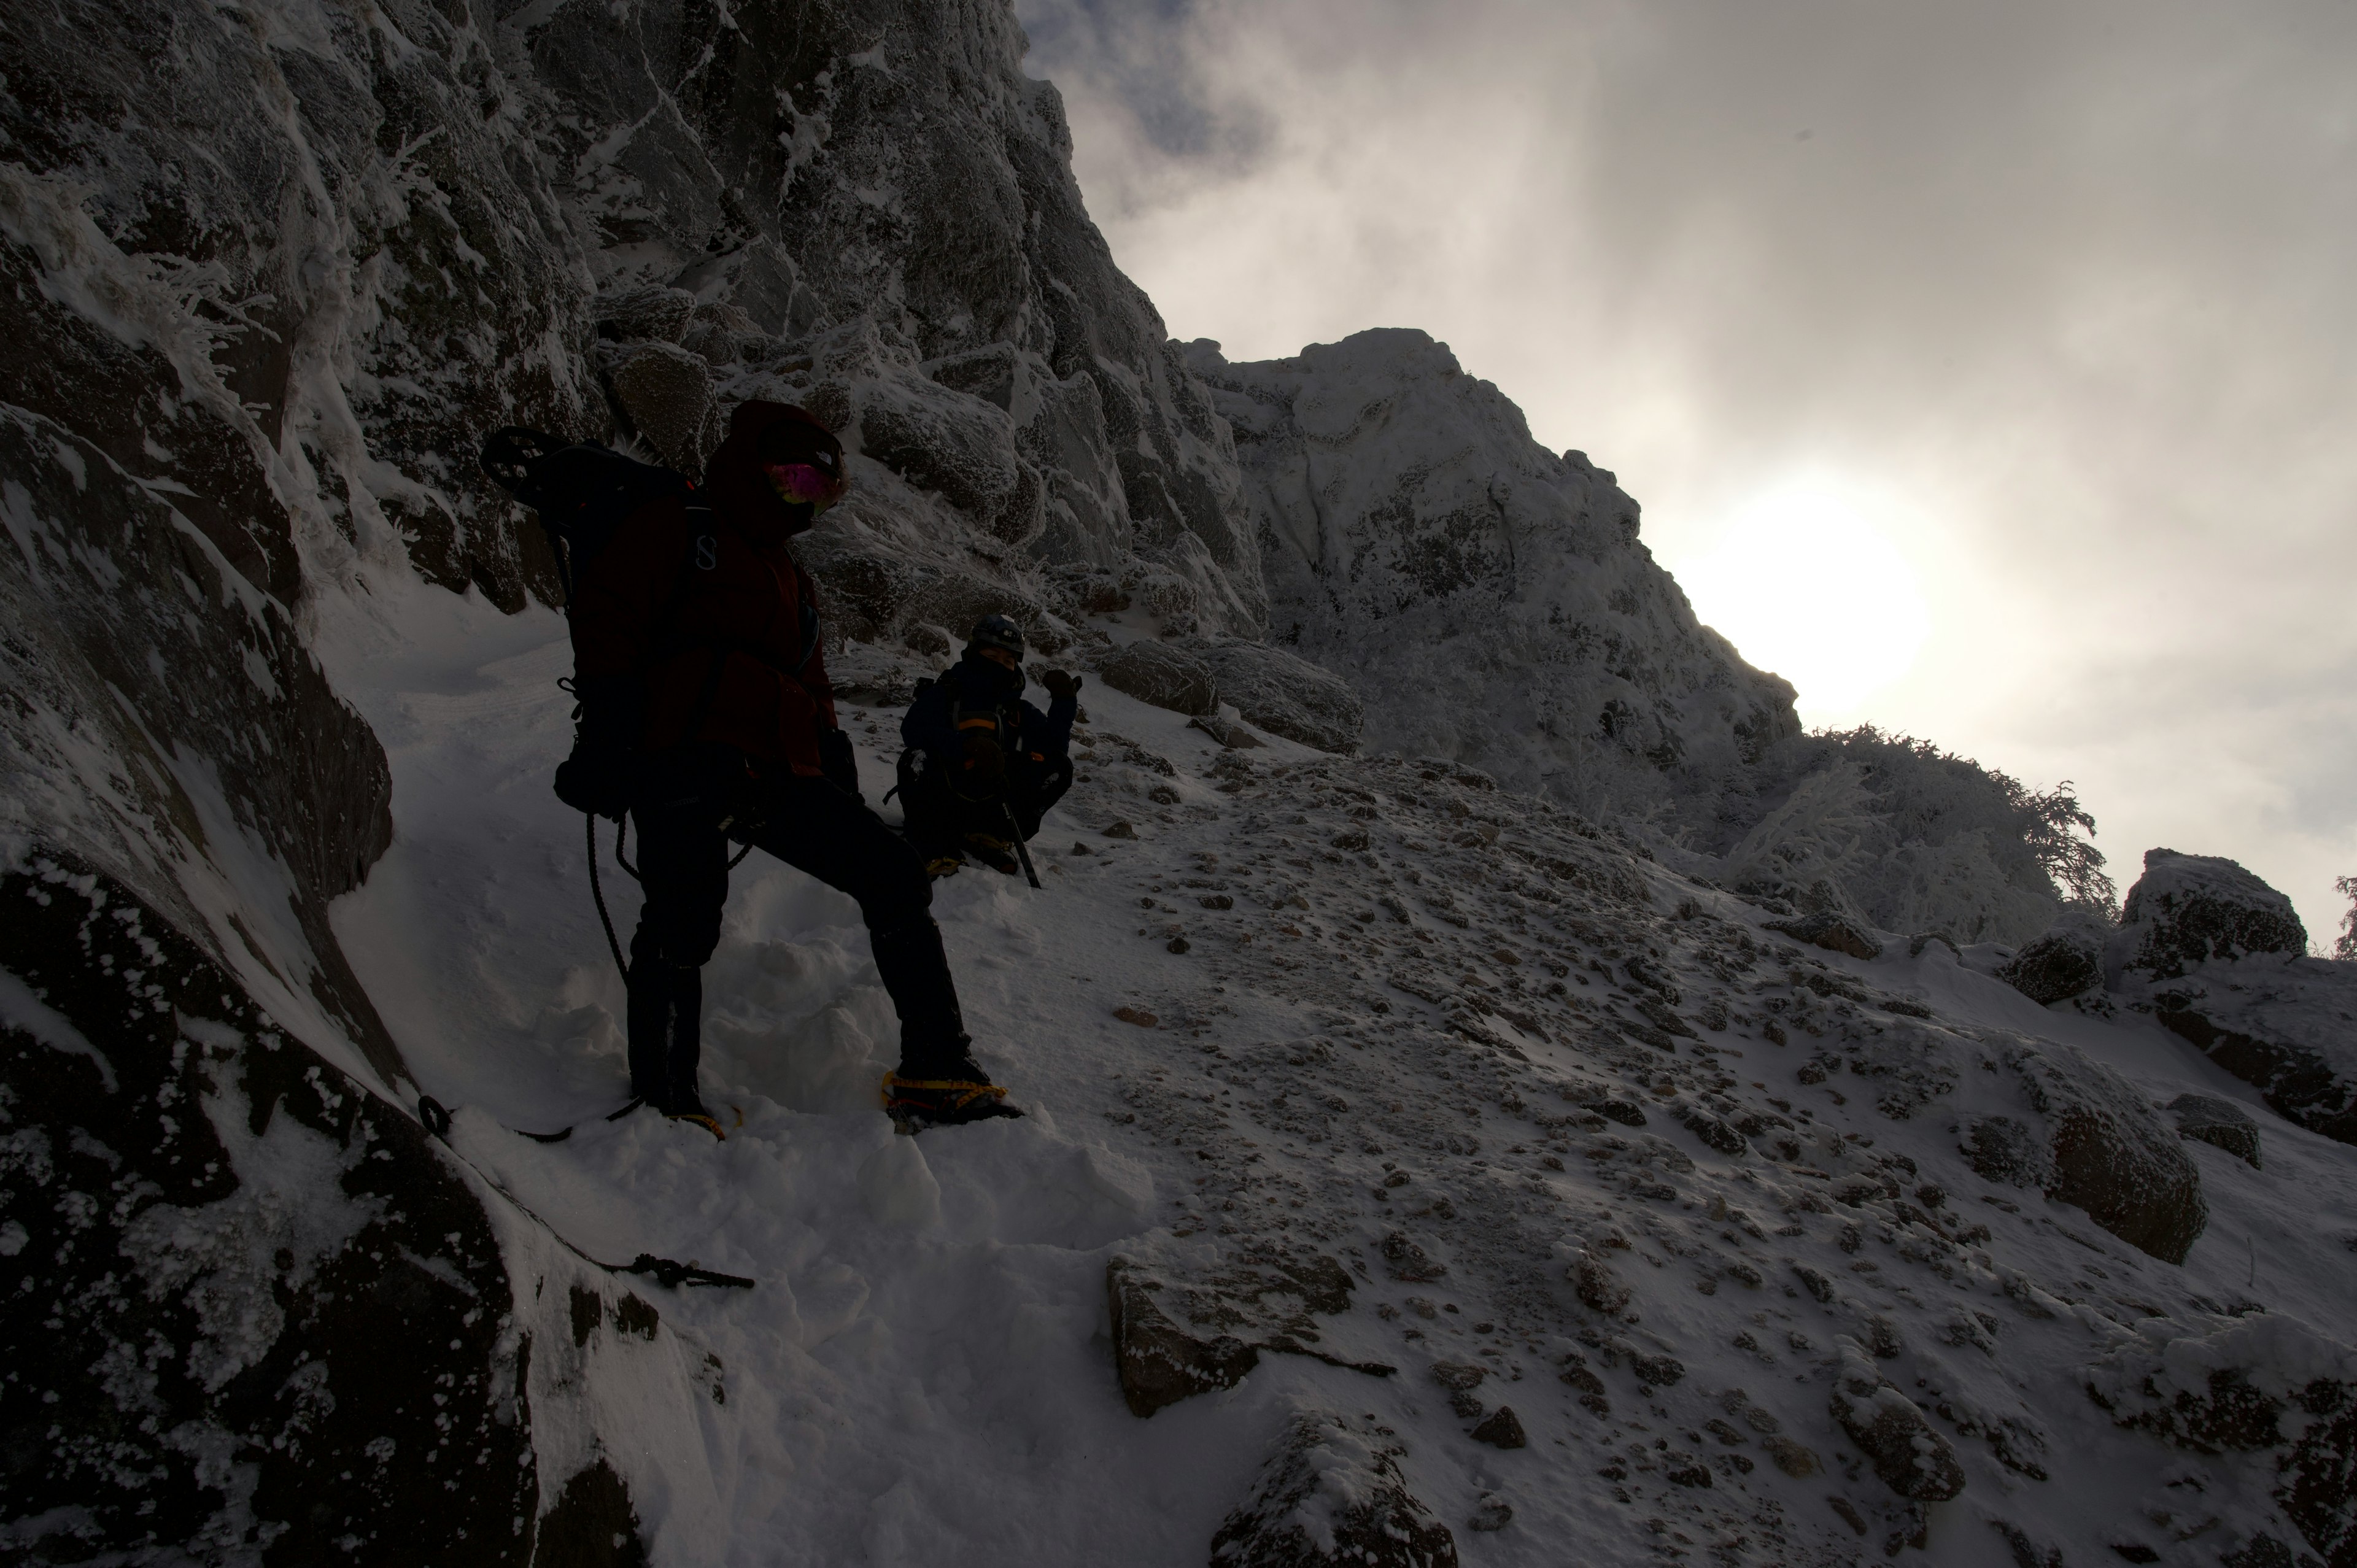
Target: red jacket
{"x":712,"y":612}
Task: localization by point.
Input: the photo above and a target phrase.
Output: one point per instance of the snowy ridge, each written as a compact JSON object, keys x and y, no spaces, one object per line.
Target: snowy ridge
{"x":1488,"y":598}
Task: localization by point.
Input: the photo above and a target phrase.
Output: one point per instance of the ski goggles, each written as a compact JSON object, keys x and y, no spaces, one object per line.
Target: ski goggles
{"x":804,"y":484}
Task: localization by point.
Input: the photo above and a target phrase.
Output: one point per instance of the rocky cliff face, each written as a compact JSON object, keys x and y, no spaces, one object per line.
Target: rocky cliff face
{"x":1489,"y":599}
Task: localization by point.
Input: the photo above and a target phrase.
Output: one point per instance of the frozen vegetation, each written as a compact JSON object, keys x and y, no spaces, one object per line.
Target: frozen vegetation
{"x":1498,"y":1091}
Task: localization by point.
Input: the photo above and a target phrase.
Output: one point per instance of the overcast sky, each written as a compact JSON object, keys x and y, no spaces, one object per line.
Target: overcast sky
{"x":2041,"y":313}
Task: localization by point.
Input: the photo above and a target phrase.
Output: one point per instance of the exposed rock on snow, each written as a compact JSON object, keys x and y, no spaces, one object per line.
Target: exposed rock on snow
{"x":1284,"y":694}
{"x":2110,"y":1154}
{"x":1832,"y":932}
{"x":1165,"y":676}
{"x":2221,"y":1122}
{"x":2255,"y":1383}
{"x":226,"y":1248}
{"x":1487,"y":597}
{"x":2188,"y":909}
{"x":1906,"y":1450}
{"x":2062,"y":963}
{"x":2283,"y":1027}
{"x":1332,"y":1494}
{"x":1236,"y":1309}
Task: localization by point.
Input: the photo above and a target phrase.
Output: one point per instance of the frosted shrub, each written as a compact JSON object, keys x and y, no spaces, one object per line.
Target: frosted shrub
{"x":1919,"y":839}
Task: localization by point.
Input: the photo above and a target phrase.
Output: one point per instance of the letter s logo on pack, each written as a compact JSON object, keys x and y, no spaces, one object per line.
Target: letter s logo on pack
{"x":707,"y":551}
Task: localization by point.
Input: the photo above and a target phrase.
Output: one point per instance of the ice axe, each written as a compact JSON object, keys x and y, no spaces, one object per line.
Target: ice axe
{"x":1022,"y":850}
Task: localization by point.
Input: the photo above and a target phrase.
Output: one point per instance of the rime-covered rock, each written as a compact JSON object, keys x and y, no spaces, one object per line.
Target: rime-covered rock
{"x":2220,"y":1122}
{"x":1487,"y":597}
{"x":1284,"y":694}
{"x":2067,"y":960}
{"x":1331,"y":1494}
{"x":2189,"y":910}
{"x":2283,"y":1026}
{"x":1832,"y":932}
{"x":667,"y":392}
{"x":2262,"y":1383}
{"x":1906,"y":1450}
{"x":2111,"y":1154}
{"x":1165,"y":676}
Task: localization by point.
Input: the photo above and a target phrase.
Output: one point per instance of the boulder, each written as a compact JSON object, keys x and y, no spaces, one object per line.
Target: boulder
{"x":2250,"y":1384}
{"x":2220,"y":1122}
{"x":2282,"y":1026}
{"x":1160,"y":1363}
{"x":1285,"y":695}
{"x":1503,"y":1429}
{"x":1233,"y":1311}
{"x":1331,"y":1493}
{"x":2189,"y":910}
{"x":2111,"y":1154}
{"x":1832,"y":931}
{"x":1906,"y":1450}
{"x":1165,"y":677}
{"x":2067,"y":960}
{"x":654,"y":314}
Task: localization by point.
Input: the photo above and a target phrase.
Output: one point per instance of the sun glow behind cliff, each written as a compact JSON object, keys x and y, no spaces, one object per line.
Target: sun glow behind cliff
{"x":1805,"y":581}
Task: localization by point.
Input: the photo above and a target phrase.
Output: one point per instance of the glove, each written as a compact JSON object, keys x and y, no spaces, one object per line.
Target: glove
{"x":839,"y":762}
{"x":985,"y":764}
{"x":602,"y":777}
{"x":1060,"y":684}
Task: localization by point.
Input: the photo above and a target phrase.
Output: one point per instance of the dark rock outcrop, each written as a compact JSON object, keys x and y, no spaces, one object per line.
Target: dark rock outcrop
{"x":2186,"y":911}
{"x":2252,"y":1384}
{"x":1331,"y":1494}
{"x":1832,"y":932}
{"x":1906,"y":1450}
{"x":180,"y":1174}
{"x":2111,"y":1154}
{"x":2062,"y":963}
{"x":1163,"y":676}
{"x":1233,"y":1312}
{"x":2219,"y":1122}
{"x":2084,"y":1135}
{"x":1285,"y":695}
{"x":2281,"y":1026}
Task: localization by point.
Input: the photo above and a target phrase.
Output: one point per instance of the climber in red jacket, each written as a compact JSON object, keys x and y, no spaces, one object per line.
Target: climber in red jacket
{"x":706,"y":715}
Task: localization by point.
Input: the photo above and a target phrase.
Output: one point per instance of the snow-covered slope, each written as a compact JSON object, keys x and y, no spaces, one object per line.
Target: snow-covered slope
{"x":1377,"y":1000}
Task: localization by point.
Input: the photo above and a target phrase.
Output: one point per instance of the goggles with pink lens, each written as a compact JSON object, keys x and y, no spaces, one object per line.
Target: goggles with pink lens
{"x":803,"y":484}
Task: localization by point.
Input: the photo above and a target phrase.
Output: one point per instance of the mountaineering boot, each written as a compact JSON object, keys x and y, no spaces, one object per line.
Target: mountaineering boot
{"x":939,"y":1082}
{"x":916,"y":1097}
{"x":997,"y":853}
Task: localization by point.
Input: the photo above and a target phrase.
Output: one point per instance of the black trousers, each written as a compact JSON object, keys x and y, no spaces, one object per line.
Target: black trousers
{"x":696,"y":799}
{"x":940,"y":815}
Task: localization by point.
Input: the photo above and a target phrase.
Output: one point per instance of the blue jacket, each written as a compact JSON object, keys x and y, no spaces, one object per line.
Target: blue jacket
{"x":976,"y":694}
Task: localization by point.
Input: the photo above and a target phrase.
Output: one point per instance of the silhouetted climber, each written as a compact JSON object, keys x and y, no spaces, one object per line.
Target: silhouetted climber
{"x":706,"y":715}
{"x":983,"y":765}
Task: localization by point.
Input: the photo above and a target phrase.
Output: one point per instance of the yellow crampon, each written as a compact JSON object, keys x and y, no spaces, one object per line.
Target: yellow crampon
{"x":955,"y":1095}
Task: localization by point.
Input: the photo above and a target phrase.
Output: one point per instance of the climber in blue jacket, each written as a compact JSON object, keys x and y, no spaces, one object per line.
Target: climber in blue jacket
{"x":984,"y":765}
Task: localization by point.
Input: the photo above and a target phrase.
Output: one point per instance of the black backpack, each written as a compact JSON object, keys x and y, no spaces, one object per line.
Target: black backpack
{"x":581,"y":490}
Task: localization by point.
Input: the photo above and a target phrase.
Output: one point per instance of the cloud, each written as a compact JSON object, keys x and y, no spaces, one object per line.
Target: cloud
{"x":2067,"y":283}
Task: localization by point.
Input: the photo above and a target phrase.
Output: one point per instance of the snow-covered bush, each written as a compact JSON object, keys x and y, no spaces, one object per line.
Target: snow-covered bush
{"x":1918,"y":839}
